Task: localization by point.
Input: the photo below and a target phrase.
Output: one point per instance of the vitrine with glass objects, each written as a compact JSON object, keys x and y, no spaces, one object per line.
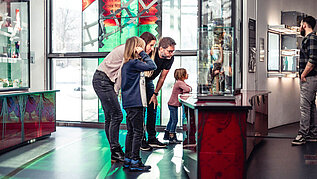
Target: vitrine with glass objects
{"x":219,"y":72}
{"x":14,"y":44}
{"x":214,"y":120}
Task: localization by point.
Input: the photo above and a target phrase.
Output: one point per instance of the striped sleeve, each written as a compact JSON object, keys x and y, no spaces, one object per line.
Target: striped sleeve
{"x":312,"y":49}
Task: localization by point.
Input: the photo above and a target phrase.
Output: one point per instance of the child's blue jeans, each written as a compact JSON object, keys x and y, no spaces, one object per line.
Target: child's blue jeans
{"x":171,"y":126}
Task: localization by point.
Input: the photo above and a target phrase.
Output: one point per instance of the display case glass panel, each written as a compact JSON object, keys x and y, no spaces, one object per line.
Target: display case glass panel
{"x":289,"y":52}
{"x":14,"y":44}
{"x":216,"y":55}
{"x":273,"y":52}
{"x":283,"y":51}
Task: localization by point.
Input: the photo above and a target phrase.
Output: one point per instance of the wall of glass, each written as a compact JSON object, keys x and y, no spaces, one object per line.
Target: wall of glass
{"x":14,"y":44}
{"x":84,"y":31}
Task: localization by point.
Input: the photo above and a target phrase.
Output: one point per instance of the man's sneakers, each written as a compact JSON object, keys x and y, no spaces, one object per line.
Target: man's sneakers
{"x":156,"y":143}
{"x":299,"y":140}
{"x":311,"y":138}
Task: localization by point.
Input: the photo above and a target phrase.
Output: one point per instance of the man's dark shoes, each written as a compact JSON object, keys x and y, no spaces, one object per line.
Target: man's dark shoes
{"x":137,"y":165}
{"x":299,"y":140}
{"x":117,"y":154}
{"x":156,"y":144}
{"x":145,"y":146}
{"x":311,"y":138}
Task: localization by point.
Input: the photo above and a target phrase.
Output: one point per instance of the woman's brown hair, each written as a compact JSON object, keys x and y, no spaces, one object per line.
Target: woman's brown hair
{"x":180,"y":74}
{"x":148,"y":37}
{"x":129,"y":49}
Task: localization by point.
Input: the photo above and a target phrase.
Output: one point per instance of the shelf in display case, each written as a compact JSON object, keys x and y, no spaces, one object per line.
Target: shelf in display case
{"x":290,"y":52}
{"x":284,"y":29}
{"x":9,"y":60}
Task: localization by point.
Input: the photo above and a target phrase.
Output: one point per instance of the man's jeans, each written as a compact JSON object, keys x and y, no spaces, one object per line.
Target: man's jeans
{"x":151,"y":112}
{"x":104,"y":89}
{"x":308,"y":116}
{"x":171,"y":125}
{"x":135,"y":117}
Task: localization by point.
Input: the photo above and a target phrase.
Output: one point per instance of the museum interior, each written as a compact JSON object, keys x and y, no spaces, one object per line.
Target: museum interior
{"x":239,"y":120}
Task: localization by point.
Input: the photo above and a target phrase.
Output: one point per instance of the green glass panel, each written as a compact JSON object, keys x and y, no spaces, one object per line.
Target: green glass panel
{"x":100,"y":60}
{"x":129,"y":27}
{"x":148,"y":28}
{"x":111,"y":41}
{"x":129,"y":30}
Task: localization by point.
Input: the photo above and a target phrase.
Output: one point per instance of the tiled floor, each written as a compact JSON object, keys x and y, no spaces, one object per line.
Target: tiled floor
{"x":83,"y":153}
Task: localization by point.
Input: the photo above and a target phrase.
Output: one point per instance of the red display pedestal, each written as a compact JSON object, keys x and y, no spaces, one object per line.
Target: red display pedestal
{"x":214,"y":137}
{"x":25,"y":116}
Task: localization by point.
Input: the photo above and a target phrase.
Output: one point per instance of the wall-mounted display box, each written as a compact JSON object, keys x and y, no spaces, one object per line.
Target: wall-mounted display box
{"x":284,"y":44}
{"x":14,"y":45}
{"x":292,"y":18}
{"x":283,"y":50}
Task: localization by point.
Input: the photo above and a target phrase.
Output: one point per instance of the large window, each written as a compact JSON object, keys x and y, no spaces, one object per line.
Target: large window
{"x":83,"y":32}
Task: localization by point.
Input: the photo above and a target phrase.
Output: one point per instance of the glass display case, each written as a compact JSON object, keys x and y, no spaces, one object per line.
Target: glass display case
{"x":14,"y":44}
{"x":283,"y":50}
{"x":218,"y":55}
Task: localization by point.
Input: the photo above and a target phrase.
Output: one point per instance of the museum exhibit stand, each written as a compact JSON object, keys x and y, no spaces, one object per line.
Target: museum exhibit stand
{"x":221,"y":122}
{"x":25,"y":115}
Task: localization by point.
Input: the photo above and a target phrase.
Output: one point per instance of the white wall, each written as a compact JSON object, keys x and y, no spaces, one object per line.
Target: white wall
{"x":37,"y":42}
{"x":284,"y":99}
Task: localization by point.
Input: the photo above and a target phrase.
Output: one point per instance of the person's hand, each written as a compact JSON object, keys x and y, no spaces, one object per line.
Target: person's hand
{"x":303,"y":78}
{"x":216,"y":72}
{"x":138,"y":49}
{"x":153,"y":100}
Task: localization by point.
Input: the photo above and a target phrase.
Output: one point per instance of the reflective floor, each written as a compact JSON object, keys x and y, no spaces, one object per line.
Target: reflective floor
{"x":73,"y":152}
{"x":276,"y":158}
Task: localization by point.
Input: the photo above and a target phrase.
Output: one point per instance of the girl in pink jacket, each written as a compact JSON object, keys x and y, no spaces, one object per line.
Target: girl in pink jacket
{"x":180,"y":87}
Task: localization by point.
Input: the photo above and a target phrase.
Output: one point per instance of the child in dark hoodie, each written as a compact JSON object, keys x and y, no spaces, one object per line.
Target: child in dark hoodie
{"x":136,"y":61}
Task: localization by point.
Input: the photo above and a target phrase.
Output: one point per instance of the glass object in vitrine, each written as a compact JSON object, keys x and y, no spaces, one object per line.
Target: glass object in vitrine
{"x":14,"y":45}
{"x":290,"y":60}
{"x":215,"y":61}
{"x":290,"y":63}
{"x":216,"y":48}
